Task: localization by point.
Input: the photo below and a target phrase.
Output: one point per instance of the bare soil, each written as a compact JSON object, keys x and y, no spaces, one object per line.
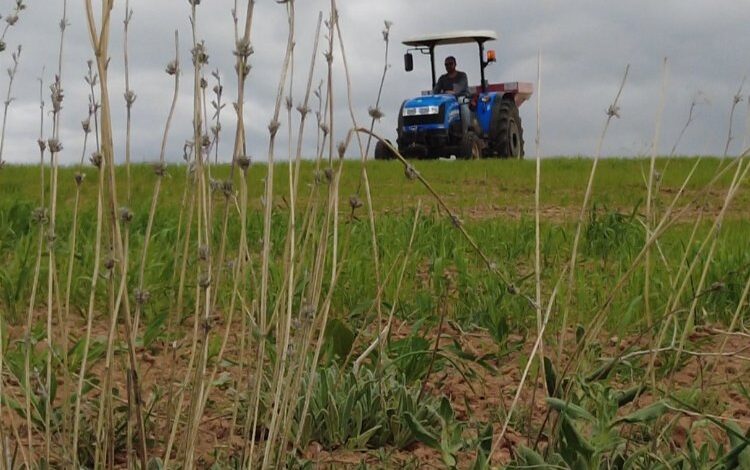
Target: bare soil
{"x":485,"y":398}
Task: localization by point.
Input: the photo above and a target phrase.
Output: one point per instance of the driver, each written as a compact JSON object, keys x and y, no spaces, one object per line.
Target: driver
{"x":453,"y":82}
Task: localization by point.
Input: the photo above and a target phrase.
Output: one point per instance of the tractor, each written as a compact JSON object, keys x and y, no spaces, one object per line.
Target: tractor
{"x":481,"y":123}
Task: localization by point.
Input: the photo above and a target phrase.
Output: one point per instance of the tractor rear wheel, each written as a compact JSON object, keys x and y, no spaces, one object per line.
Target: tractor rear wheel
{"x":382,"y":152}
{"x":506,"y":130}
{"x":470,"y":147}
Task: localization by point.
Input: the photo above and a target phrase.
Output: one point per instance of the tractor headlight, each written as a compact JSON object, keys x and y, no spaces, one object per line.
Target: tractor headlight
{"x":421,"y":111}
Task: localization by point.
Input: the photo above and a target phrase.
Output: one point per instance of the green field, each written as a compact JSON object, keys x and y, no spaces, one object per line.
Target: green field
{"x":443,"y":380}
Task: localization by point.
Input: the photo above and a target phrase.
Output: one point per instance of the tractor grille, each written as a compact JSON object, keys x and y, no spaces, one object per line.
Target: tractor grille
{"x":421,"y":120}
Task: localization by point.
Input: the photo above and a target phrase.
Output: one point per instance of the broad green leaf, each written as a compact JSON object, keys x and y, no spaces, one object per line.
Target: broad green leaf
{"x":626,"y":396}
{"x":645,"y":415}
{"x":551,"y":376}
{"x":575,"y":439}
{"x":421,"y":433}
{"x":530,"y":457}
{"x":569,"y":409}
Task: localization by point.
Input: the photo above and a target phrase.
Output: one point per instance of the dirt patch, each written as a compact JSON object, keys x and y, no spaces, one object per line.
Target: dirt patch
{"x":714,"y":369}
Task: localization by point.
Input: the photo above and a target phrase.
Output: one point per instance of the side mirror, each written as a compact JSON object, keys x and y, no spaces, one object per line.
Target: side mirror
{"x":408,"y":62}
{"x":491,"y":57}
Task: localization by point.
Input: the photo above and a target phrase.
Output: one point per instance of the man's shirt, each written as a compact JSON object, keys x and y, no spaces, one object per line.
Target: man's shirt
{"x":458,"y":84}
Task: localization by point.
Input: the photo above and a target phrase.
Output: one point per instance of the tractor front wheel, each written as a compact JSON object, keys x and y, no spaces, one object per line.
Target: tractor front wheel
{"x":382,"y":152}
{"x":506,"y":130}
{"x":470,"y":148}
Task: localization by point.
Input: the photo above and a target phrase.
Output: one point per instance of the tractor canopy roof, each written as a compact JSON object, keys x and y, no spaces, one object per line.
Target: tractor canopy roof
{"x":454,"y":37}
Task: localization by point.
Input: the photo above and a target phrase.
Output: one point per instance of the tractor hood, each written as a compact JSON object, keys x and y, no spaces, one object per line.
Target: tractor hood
{"x":425,"y":105}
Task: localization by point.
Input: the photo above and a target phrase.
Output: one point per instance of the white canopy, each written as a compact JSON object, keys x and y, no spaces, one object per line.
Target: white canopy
{"x":455,"y":37}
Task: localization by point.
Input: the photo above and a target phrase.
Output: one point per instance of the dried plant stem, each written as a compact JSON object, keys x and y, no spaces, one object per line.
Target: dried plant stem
{"x":730,"y":134}
{"x":612,"y":112}
{"x":100,"y":44}
{"x":129,"y":99}
{"x":89,"y":314}
{"x":364,"y":176}
{"x":159,"y":170}
{"x":669,"y":217}
{"x":737,"y":181}
{"x":280,"y":369}
{"x":16,"y":56}
{"x":650,"y":195}
{"x":412,"y":173}
{"x":203,"y":267}
{"x":525,"y":373}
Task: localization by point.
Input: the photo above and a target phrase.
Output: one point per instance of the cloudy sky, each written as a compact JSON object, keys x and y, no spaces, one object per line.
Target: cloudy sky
{"x":585,"y":46}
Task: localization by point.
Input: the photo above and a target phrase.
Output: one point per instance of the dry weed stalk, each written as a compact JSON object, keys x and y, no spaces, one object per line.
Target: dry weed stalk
{"x":99,"y":37}
{"x":736,"y":99}
{"x":16,"y":57}
{"x":612,"y":112}
{"x":650,"y":196}
{"x":364,"y":179}
{"x":130,"y":98}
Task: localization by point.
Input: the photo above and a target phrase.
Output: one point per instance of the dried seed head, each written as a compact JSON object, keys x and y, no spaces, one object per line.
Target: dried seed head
{"x":318,"y":177}
{"x":242,"y":69}
{"x":109,"y":263}
{"x":512,"y":289}
{"x":354,"y":202}
{"x":273,"y":127}
{"x":455,"y":221}
{"x":288,"y":103}
{"x":51,"y":237}
{"x":227,"y":187}
{"x":130,"y":97}
{"x":303,"y":110}
{"x":243,"y":49}
{"x":243,"y":162}
{"x":341,"y":147}
{"x":204,"y":281}
{"x":96,"y":159}
{"x":11,"y":19}
{"x":126,"y":216}
{"x":42,"y":144}
{"x":204,"y":252}
{"x":329,"y":174}
{"x":55,"y":146}
{"x":307,"y":311}
{"x":387,"y":30}
{"x":215,"y":185}
{"x":206,"y":141}
{"x":376,"y":113}
{"x":86,"y":126}
{"x":56,"y":95}
{"x":172,"y":68}
{"x":204,"y":83}
{"x":79,"y":177}
{"x":411,"y":172}
{"x":200,"y":55}
{"x":142,"y":296}
{"x":39,"y":216}
{"x":3,"y":46}
{"x":324,"y":127}
{"x":613,"y":111}
{"x":160,"y":169}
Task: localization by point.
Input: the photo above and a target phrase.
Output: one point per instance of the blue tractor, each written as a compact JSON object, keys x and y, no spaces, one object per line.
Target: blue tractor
{"x":483,"y":122}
